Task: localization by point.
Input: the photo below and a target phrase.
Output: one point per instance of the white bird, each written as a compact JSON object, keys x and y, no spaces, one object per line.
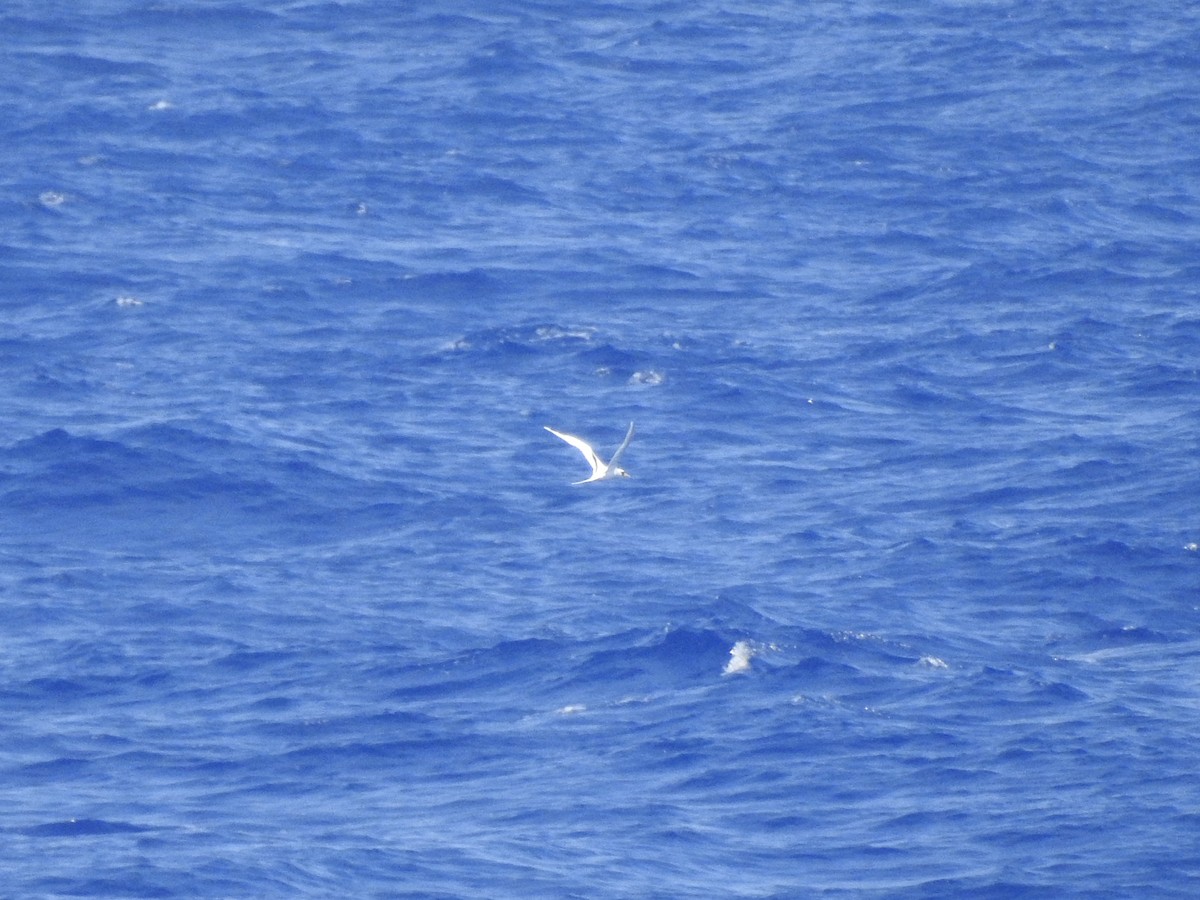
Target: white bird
{"x":600,"y":468}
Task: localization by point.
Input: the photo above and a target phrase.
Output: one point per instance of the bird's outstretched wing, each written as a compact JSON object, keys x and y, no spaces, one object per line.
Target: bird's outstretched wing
{"x":612,"y":463}
{"x":597,"y":464}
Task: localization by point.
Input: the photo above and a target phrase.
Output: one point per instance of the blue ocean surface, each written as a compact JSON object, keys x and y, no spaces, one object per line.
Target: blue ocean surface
{"x":298,"y":599}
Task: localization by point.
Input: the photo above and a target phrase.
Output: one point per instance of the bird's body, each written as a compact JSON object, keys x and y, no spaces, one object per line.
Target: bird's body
{"x":600,"y":469}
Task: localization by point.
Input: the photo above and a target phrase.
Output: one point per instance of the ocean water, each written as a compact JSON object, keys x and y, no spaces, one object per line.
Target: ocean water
{"x":902,"y":599}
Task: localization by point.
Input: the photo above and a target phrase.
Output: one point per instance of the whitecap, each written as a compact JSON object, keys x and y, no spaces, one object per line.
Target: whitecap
{"x":739,"y":658}
{"x":649,"y":377}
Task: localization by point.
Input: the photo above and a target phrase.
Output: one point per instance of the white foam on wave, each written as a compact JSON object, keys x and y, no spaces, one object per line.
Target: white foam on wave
{"x":649,"y":377}
{"x":739,"y":658}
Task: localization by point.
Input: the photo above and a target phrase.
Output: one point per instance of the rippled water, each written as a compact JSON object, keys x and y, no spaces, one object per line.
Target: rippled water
{"x":901,"y":599}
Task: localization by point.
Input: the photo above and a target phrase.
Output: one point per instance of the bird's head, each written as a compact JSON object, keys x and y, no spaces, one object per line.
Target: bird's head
{"x":621,"y":472}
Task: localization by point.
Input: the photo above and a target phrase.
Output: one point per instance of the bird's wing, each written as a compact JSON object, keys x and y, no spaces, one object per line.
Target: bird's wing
{"x":612,"y":463}
{"x":597,"y":464}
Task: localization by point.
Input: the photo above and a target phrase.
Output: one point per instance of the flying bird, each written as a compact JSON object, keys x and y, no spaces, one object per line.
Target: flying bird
{"x":600,"y":469}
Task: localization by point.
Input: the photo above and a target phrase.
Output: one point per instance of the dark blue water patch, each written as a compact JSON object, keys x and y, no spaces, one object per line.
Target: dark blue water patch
{"x":84,"y":828}
{"x":146,"y":885}
{"x":252,"y":661}
{"x":1163,"y":381}
{"x":677,"y":658}
{"x":282,"y":723}
{"x":473,"y":286}
{"x":502,"y":61}
{"x":101,"y":73}
{"x":173,"y":476}
{"x":217,"y":20}
{"x":61,"y":690}
{"x":34,"y":29}
{"x":496,"y":667}
{"x":81,"y":471}
{"x":558,"y":673}
{"x":1132,"y":635}
{"x":58,"y":770}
